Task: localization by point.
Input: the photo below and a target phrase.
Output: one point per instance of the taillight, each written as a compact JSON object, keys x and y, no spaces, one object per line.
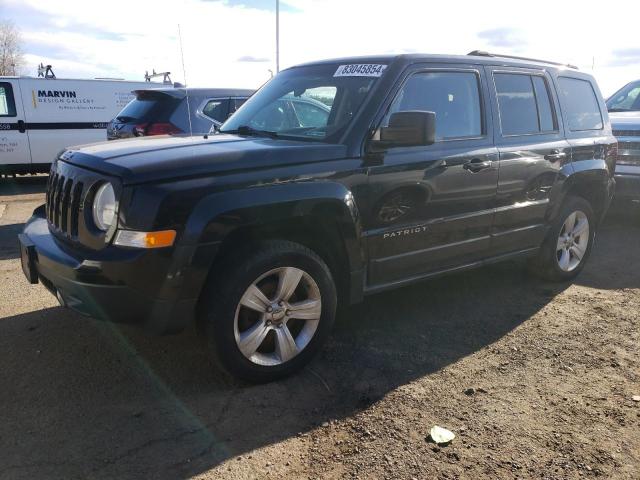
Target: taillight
{"x":150,"y":129}
{"x":140,"y":129}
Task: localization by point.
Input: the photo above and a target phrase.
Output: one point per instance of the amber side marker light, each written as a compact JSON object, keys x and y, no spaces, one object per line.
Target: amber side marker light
{"x":129,"y":238}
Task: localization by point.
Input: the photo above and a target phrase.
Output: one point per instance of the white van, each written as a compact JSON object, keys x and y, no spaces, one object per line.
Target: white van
{"x":41,"y":116}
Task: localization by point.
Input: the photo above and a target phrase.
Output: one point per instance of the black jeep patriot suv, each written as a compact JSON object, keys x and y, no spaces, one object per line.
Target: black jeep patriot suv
{"x":424,"y":165}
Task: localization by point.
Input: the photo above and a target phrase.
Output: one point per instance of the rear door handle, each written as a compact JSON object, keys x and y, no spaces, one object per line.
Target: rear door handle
{"x":555,"y":155}
{"x":476,"y":165}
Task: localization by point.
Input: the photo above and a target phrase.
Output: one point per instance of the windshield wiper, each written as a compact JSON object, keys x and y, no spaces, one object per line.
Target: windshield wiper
{"x":619,"y":110}
{"x":247,"y":130}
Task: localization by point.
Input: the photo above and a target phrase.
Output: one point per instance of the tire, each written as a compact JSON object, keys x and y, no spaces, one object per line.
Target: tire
{"x":559,"y":257}
{"x":236,"y":319}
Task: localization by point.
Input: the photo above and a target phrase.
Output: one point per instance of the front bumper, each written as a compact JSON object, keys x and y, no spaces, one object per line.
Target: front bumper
{"x":628,"y":183}
{"x":142,"y":287}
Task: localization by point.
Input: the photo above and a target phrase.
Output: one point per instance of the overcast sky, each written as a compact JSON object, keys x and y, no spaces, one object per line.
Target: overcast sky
{"x":232,"y":42}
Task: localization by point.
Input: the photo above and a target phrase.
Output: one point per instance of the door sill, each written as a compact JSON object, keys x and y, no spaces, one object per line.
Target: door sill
{"x":372,"y":289}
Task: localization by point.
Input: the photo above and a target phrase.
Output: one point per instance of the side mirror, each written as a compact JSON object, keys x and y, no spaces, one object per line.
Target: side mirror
{"x":409,"y":129}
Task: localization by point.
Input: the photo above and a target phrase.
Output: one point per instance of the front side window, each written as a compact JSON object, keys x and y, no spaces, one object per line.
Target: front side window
{"x":316,"y":102}
{"x":453,"y":96}
{"x":524,"y":104}
{"x":7,"y":103}
{"x":216,"y":109}
{"x":626,"y":99}
{"x":580,"y":104}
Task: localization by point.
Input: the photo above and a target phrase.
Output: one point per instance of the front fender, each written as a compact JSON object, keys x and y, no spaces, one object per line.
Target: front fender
{"x":219,"y":214}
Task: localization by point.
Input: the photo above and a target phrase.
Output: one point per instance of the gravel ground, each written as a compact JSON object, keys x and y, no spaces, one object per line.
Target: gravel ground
{"x":535,"y":379}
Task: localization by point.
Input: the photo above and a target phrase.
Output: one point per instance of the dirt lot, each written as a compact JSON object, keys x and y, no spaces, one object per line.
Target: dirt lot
{"x":553,"y":370}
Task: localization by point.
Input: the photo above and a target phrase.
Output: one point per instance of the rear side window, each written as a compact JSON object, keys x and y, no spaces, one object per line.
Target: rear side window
{"x":524,"y":104}
{"x":7,"y":103}
{"x":453,"y":96}
{"x":217,"y":109}
{"x":237,"y":103}
{"x":543,"y":102}
{"x":580,"y":104}
{"x":149,"y":107}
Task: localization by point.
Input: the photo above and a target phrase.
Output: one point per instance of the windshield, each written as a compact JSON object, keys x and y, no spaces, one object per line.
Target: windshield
{"x":313,"y":103}
{"x":627,"y":99}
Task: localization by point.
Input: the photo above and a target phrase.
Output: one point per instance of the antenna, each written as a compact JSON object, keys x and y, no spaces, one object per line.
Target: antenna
{"x":277,"y":36}
{"x":186,"y":84}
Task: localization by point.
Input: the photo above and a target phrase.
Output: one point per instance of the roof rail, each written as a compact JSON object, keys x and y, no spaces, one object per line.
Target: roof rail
{"x":482,"y":53}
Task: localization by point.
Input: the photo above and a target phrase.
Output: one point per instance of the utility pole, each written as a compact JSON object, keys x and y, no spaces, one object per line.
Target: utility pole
{"x":277,"y":36}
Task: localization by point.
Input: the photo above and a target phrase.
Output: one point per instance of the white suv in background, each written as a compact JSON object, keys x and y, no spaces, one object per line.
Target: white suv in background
{"x":624,"y":112}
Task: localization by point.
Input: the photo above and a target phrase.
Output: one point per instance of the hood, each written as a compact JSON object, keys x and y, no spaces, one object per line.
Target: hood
{"x":152,"y":159}
{"x":625,"y":120}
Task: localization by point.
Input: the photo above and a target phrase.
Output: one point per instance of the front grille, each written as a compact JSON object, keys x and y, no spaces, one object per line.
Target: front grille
{"x":68,"y":205}
{"x":63,"y":204}
{"x":626,"y":133}
{"x":628,"y":145}
{"x":628,"y":153}
{"x":628,"y":160}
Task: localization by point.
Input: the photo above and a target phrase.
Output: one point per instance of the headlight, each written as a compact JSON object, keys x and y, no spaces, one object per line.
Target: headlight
{"x":104,"y":207}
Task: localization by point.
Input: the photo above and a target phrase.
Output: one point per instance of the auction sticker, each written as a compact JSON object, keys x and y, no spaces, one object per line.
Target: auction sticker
{"x":360,"y":70}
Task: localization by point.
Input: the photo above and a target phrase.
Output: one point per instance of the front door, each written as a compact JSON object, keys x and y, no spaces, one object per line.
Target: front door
{"x":431,"y":208}
{"x":14,"y":140}
{"x":533,"y":152}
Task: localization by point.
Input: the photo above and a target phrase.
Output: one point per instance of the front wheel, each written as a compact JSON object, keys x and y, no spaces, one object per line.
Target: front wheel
{"x":267,"y":313}
{"x":568,"y":243}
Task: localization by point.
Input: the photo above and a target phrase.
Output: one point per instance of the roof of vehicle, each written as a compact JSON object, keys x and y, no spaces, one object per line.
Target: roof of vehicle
{"x":477,"y":57}
{"x":208,"y":92}
{"x":59,"y":79}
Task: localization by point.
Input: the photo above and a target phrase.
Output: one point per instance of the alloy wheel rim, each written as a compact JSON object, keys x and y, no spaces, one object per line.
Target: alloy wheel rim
{"x":573,"y":241}
{"x":277,"y":316}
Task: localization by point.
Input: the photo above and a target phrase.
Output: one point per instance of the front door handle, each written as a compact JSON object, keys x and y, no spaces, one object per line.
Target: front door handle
{"x":476,"y":165}
{"x":555,"y":155}
{"x":21,"y":126}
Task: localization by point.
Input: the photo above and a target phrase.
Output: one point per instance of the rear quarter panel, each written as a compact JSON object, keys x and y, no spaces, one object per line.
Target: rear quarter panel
{"x":593,"y":152}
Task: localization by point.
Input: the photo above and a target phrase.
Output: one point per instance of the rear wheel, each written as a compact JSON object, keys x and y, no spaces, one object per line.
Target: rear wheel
{"x":568,"y":243}
{"x":267,"y":313}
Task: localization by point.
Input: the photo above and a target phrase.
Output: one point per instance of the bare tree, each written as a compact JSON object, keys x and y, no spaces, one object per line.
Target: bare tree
{"x":11,"y":59}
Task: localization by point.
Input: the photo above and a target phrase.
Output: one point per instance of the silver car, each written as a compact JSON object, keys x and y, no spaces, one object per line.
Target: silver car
{"x":161,"y":111}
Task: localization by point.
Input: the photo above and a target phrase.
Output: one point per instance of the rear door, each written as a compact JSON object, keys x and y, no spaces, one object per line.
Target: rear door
{"x":14,"y":140}
{"x":533,"y":151}
{"x":431,"y":208}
